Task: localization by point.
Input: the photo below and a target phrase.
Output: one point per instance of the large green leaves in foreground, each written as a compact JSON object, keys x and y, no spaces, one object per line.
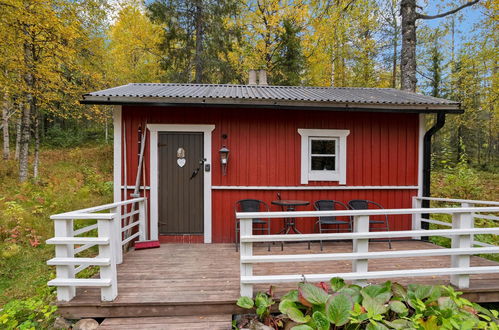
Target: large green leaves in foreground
{"x":376,"y":307}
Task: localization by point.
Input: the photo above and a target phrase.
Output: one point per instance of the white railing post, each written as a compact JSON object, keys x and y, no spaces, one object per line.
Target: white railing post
{"x":118,"y":250}
{"x":64,"y":228}
{"x":142,"y":220}
{"x":465,"y":204}
{"x":416,"y":217}
{"x":361,"y":245}
{"x":106,"y":228}
{"x":461,"y":221}
{"x":246,"y":250}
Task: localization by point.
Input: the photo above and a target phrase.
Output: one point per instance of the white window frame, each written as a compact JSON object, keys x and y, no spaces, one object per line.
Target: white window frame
{"x":340,"y":173}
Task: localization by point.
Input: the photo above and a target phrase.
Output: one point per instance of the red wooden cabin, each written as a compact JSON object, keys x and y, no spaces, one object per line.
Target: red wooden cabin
{"x":372,"y":148}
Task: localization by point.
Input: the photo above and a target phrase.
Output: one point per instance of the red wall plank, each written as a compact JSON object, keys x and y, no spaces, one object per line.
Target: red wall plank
{"x":265,"y":151}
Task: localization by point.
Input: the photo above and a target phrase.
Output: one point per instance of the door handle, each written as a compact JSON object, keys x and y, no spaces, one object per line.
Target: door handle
{"x":196,"y":171}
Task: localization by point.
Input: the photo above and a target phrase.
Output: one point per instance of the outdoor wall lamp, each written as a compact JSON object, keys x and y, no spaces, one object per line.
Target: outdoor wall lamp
{"x":224,"y":158}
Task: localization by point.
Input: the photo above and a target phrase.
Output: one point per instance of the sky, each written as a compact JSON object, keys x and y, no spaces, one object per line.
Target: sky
{"x":465,"y":19}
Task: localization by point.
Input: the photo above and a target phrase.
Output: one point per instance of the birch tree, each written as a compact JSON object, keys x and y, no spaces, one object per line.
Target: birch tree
{"x":410,"y":16}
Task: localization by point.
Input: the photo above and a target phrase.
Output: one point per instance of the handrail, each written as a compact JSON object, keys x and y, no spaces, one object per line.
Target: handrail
{"x":101,"y":207}
{"x":112,"y":234}
{"x":452,"y":200}
{"x":461,"y":233}
{"x":338,"y":213}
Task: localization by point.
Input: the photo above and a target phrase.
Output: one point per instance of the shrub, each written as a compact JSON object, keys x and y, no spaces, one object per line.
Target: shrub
{"x":377,"y":306}
{"x":31,"y":313}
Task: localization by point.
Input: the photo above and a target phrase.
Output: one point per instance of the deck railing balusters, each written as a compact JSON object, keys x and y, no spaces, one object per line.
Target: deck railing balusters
{"x":64,"y":228}
{"x":246,"y":250}
{"x":461,"y":221}
{"x":109,"y":240}
{"x":416,"y":217}
{"x":360,"y":245}
{"x":461,"y":234}
{"x":106,"y":228}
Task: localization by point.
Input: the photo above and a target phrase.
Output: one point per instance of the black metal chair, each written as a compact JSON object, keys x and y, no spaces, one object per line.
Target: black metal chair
{"x":324,"y":223}
{"x":252,"y":205}
{"x":363,"y":204}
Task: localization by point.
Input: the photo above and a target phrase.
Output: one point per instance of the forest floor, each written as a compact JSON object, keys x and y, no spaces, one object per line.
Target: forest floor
{"x":81,"y":177}
{"x":70,"y":179}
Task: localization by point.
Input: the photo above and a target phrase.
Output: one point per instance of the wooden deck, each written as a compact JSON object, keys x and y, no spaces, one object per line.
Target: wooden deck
{"x":203,"y":279}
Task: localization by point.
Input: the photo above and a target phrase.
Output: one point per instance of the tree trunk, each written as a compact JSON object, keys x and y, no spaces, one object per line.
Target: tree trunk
{"x":25,"y":135}
{"x":5,"y":127}
{"x":36,"y":160}
{"x":408,"y":57}
{"x":18,"y":133}
{"x":198,"y":57}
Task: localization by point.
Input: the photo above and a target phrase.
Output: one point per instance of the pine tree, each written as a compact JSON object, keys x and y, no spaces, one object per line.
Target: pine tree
{"x":197,"y":39}
{"x":290,"y":61}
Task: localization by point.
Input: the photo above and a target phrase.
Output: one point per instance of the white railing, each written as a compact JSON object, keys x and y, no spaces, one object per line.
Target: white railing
{"x":112,"y":232}
{"x":461,"y":234}
{"x":417,"y":219}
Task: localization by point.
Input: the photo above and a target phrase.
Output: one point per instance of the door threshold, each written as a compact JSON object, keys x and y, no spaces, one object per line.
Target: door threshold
{"x":185,"y":238}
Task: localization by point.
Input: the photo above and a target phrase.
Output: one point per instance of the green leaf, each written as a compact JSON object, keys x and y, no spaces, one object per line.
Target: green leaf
{"x":284,"y":305}
{"x":399,"y":324}
{"x":302,"y":327}
{"x":353,"y":293}
{"x":399,"y":291}
{"x":261,"y":311}
{"x":245,"y":302}
{"x":373,"y":306}
{"x":337,"y":283}
{"x":420,"y":291}
{"x":447,"y":303}
{"x":313,"y":294}
{"x":398,"y":307}
{"x":291,"y":296}
{"x":292,"y":311}
{"x":262,"y":300}
{"x":373,"y":325}
{"x":321,"y":321}
{"x":338,"y":309}
{"x":378,"y":292}
{"x":297,"y":315}
{"x":434,"y":294}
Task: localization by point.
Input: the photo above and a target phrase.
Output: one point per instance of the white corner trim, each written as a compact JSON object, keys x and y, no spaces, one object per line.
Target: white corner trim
{"x":153,"y":154}
{"x":341,"y":174}
{"x":117,"y":122}
{"x":422,"y":131}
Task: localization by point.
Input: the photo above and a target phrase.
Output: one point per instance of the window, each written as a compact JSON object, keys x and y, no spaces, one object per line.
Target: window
{"x":323,"y":155}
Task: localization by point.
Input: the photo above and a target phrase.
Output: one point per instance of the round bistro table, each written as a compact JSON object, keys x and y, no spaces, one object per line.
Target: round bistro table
{"x":290,"y":205}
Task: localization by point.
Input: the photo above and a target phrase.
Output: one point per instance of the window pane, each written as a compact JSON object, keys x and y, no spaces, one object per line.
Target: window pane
{"x":324,"y":147}
{"x":323,"y":163}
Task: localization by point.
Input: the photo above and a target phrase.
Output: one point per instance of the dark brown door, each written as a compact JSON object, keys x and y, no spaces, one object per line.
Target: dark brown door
{"x":180,"y":183}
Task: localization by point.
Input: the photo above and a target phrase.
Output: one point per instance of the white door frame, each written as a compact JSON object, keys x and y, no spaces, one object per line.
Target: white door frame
{"x":154,"y":171}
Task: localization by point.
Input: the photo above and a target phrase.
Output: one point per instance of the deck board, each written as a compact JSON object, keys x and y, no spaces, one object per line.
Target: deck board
{"x":215,"y":322}
{"x":180,"y":279}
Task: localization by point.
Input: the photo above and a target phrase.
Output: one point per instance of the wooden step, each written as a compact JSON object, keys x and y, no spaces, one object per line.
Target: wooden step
{"x":212,"y":322}
{"x":86,"y":282}
{"x":79,"y":261}
{"x":78,"y":240}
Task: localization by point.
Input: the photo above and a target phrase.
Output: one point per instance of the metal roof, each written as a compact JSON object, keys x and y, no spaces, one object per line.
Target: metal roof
{"x":378,"y":99}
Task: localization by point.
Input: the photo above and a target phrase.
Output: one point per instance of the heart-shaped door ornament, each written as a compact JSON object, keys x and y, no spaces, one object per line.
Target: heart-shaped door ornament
{"x":181,"y":162}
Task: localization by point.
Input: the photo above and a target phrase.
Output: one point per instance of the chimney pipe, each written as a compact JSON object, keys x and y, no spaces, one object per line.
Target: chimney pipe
{"x":262,"y":77}
{"x":252,"y":77}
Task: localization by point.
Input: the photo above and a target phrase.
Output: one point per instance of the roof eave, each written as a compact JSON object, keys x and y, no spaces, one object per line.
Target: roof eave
{"x":265,"y":103}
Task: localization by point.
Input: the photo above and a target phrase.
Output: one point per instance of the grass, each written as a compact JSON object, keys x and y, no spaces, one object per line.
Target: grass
{"x":69,"y":179}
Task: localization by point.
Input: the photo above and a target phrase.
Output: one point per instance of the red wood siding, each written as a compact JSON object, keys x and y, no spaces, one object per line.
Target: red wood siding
{"x":382,"y":150}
